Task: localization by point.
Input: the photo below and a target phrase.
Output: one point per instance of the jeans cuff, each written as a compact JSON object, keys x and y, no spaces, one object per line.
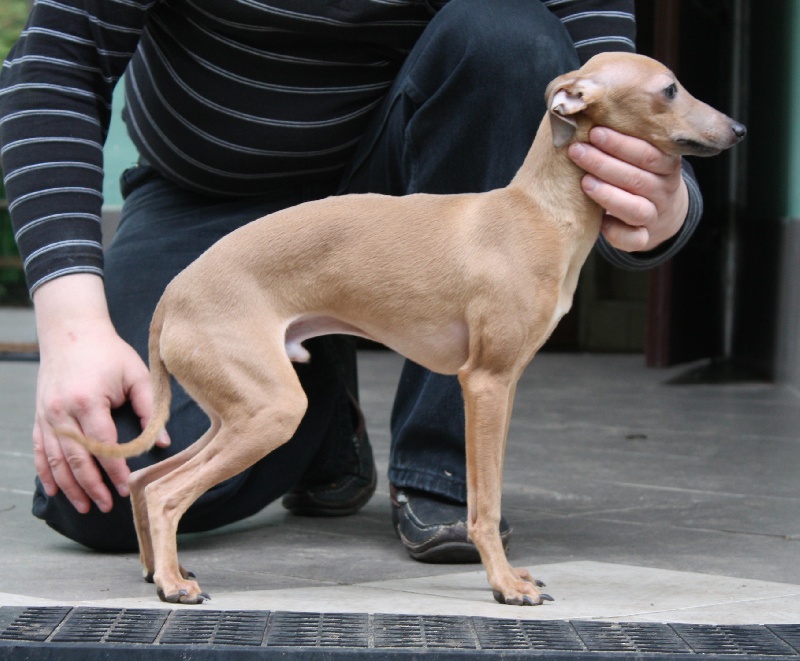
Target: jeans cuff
{"x":447,"y":486}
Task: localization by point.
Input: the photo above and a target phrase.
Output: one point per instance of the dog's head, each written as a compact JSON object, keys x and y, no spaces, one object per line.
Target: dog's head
{"x":637,"y":96}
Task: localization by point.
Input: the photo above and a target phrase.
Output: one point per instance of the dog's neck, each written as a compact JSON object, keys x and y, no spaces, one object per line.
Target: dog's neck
{"x":550,"y":178}
{"x":552,"y":182}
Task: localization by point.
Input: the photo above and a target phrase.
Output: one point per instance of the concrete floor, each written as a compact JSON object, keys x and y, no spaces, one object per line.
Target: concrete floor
{"x":633,"y":499}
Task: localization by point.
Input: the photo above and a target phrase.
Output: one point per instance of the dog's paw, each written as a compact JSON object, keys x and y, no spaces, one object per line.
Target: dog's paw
{"x":149,"y":575}
{"x":183,"y":597}
{"x":521,"y":600}
{"x":189,"y":575}
{"x":523,"y":591}
{"x":180,"y":590}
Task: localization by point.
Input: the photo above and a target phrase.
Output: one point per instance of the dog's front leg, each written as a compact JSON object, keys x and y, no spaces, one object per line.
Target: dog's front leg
{"x":488,"y":398}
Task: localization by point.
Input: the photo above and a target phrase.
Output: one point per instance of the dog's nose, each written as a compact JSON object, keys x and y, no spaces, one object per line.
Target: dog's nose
{"x":739,"y":130}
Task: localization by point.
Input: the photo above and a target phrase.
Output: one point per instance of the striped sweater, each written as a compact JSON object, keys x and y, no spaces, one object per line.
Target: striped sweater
{"x":224,"y":98}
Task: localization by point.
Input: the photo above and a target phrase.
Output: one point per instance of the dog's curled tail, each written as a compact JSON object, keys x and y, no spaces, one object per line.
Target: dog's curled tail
{"x":162,"y":397}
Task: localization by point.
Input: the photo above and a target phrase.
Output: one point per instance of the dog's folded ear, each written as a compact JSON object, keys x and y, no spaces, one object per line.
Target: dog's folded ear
{"x":567,"y":97}
{"x":562,"y":125}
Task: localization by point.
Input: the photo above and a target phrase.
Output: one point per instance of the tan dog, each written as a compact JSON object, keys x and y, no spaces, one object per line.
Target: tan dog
{"x":469,"y":284}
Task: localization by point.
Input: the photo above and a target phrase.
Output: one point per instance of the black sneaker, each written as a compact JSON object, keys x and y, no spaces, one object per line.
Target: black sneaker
{"x":346,"y":493}
{"x":434,"y":529}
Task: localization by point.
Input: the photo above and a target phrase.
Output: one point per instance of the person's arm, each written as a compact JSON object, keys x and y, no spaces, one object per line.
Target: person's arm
{"x":55,"y":103}
{"x":55,"y":107}
{"x":653,"y":201}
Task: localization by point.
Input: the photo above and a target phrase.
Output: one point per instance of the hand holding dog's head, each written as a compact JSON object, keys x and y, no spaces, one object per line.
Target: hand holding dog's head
{"x":638,"y":96}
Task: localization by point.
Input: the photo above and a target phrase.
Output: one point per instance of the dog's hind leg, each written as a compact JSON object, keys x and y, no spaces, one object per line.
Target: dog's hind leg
{"x":137,"y":483}
{"x":259,"y":403}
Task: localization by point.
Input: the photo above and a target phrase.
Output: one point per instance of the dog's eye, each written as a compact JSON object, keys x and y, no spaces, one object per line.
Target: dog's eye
{"x":671,"y":92}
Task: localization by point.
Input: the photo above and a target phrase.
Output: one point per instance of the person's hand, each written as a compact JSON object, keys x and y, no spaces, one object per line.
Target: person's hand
{"x":640,"y":187}
{"x":85,"y":370}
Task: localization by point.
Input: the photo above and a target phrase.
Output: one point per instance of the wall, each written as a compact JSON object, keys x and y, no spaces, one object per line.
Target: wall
{"x":787,"y":354}
{"x":768,"y":271}
{"x":118,"y":155}
{"x":118,"y":152}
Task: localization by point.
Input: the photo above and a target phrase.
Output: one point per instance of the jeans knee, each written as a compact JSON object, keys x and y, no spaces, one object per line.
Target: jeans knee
{"x":507,"y":46}
{"x":113,"y":532}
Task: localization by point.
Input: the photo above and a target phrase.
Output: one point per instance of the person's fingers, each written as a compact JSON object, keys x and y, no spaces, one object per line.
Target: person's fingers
{"x":41,"y":463}
{"x":639,"y":153}
{"x":632,"y":209}
{"x":623,"y":236}
{"x":140,"y":393}
{"x":62,"y":466}
{"x":640,"y":188}
{"x":100,"y":426}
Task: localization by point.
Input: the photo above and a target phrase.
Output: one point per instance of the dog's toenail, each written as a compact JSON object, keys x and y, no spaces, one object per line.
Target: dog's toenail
{"x":546,"y":597}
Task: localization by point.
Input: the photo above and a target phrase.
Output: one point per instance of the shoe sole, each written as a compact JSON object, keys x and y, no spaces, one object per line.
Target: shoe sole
{"x":453,"y":553}
{"x":448,"y":553}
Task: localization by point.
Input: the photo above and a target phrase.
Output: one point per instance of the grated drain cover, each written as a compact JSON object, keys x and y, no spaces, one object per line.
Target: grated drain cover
{"x":108,"y":633}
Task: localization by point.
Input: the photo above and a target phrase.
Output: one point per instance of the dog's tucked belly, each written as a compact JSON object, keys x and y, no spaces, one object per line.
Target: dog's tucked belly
{"x":443,"y":349}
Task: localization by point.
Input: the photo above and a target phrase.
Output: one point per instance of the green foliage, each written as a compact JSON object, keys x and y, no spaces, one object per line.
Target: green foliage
{"x":12,"y":20}
{"x":13,"y":14}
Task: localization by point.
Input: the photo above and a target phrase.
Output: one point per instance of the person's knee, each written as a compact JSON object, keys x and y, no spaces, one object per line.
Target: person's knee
{"x":112,"y":532}
{"x":507,"y":46}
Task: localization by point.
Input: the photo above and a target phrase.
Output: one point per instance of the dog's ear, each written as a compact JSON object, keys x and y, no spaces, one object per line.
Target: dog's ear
{"x":567,"y":97}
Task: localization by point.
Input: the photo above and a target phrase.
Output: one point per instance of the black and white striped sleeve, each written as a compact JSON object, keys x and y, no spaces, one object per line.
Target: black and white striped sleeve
{"x":55,"y":105}
{"x":597,"y":26}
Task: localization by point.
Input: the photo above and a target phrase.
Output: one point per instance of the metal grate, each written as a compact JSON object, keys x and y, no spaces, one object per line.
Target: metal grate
{"x":790,"y":633}
{"x":423,"y":632}
{"x":632,"y":637}
{"x":105,"y":625}
{"x":319,"y":630}
{"x":735,"y":640}
{"x":527,"y":635}
{"x":216,"y":628}
{"x":106,"y":632}
{"x":34,"y":624}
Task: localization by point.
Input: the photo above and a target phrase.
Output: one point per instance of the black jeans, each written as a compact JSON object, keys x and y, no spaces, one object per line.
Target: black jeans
{"x":460,"y":117}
